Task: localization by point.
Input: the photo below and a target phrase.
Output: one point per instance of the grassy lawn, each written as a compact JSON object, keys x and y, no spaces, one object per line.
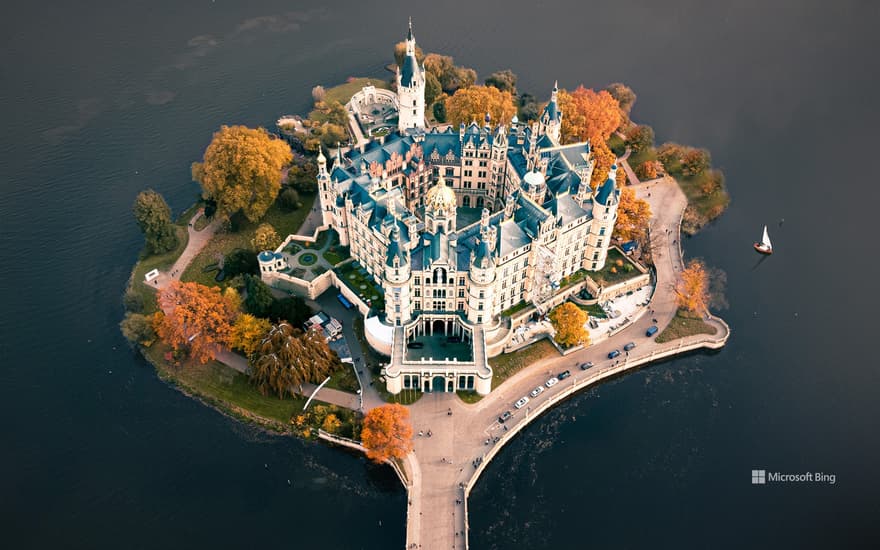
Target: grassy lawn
{"x":160,"y":262}
{"x":702,"y":208}
{"x":354,"y":279}
{"x":594,"y":310}
{"x":469,"y":396}
{"x":575,"y":277}
{"x":684,"y":324}
{"x":615,"y":143}
{"x":612,"y":272}
{"x":507,"y":364}
{"x":636,"y":159}
{"x":515,"y":309}
{"x":285,"y":223}
{"x":337,"y":256}
{"x":343,"y":92}
{"x":224,"y":386}
{"x":344,"y":379}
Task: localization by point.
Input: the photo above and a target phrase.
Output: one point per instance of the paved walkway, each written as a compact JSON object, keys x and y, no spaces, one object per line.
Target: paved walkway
{"x":195,"y":244}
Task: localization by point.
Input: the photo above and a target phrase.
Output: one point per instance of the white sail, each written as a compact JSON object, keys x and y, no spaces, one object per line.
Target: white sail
{"x":766,"y":240}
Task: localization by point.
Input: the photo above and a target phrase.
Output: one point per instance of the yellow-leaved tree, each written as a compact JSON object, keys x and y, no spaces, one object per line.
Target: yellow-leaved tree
{"x":604,"y":159}
{"x":569,"y":321}
{"x":692,"y":289}
{"x":633,"y":215}
{"x":241,"y":170}
{"x":248,"y":331}
{"x":387,"y":432}
{"x":469,"y":104}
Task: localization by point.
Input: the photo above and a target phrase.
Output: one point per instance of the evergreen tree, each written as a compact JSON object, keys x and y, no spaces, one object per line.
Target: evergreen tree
{"x":259,"y":297}
{"x":154,"y":218}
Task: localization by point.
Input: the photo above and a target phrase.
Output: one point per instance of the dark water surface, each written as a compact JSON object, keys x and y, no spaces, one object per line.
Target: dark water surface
{"x":102,"y":99}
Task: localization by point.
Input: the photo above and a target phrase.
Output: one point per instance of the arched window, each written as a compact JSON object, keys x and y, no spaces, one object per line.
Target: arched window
{"x":466,"y":202}
{"x":439,"y":276}
{"x":479,"y":202}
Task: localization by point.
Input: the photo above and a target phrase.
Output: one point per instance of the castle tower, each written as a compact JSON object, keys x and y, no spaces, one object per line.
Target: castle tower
{"x":481,"y":287}
{"x":325,"y":189}
{"x":395,"y":284}
{"x":551,"y":118}
{"x":410,"y":88}
{"x":605,"y":204}
{"x":440,"y":203}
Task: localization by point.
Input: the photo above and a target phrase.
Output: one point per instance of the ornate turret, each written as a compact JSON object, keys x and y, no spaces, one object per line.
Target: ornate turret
{"x":398,"y":308}
{"x":605,"y":203}
{"x":410,"y":88}
{"x":440,"y":204}
{"x":534,"y":185}
{"x":551,"y":118}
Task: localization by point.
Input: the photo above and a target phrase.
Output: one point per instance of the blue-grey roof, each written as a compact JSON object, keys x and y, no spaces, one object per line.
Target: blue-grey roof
{"x":409,"y":71}
{"x":607,"y":194}
{"x":395,"y":250}
{"x":565,"y":209}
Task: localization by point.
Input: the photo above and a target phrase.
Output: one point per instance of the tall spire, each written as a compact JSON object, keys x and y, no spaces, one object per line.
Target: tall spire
{"x":409,"y":35}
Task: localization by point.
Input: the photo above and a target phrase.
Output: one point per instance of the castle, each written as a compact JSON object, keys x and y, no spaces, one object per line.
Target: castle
{"x":459,"y":225}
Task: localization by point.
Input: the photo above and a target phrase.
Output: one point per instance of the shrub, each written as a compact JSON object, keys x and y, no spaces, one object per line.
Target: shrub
{"x":133,"y":302}
{"x":289,"y":199}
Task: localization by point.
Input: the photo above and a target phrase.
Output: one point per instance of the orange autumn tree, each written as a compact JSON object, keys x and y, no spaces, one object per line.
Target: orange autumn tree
{"x":603,"y":160}
{"x":472,"y":103}
{"x":387,"y":432}
{"x":633,"y":215}
{"x":692,"y":289}
{"x":568,"y":320}
{"x":196,"y":318}
{"x":588,"y":115}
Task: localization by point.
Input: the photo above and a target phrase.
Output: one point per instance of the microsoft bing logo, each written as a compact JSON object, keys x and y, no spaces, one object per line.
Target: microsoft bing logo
{"x":759,"y":477}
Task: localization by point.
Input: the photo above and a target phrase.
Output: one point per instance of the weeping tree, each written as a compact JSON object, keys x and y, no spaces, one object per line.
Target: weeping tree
{"x":287,"y":358}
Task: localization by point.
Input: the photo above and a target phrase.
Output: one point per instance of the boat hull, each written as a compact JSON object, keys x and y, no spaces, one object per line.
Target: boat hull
{"x":761,"y":249}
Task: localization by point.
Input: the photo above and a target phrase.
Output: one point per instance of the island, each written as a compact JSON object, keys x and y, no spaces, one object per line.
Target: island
{"x":469,"y":259}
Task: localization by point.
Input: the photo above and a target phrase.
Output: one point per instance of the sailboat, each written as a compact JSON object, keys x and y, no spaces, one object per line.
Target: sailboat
{"x":764,"y":247}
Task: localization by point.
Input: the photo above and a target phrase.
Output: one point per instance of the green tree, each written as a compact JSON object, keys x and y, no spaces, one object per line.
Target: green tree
{"x":568,"y":320}
{"x":329,"y":111}
{"x":241,"y":170}
{"x":433,"y":90}
{"x":133,"y":302}
{"x":503,"y":80}
{"x":240,"y":261}
{"x":154,"y":218}
{"x":289,"y":199}
{"x":440,"y":111}
{"x":138,"y":329}
{"x":259,"y":297}
{"x":292,"y":309}
{"x":303,"y":177}
{"x":265,"y":237}
{"x":451,"y":77}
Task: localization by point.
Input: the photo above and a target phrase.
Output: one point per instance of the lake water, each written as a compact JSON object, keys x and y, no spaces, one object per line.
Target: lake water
{"x":100,"y":100}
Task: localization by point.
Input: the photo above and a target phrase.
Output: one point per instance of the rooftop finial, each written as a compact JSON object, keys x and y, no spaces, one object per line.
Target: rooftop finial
{"x":409,"y":35}
{"x":555,"y":85}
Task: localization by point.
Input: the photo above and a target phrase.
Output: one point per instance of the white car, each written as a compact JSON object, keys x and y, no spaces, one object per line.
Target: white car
{"x":521,"y":403}
{"x":552,"y":382}
{"x":537,"y":391}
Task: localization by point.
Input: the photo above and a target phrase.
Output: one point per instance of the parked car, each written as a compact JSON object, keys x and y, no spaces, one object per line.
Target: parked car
{"x":552,"y":382}
{"x":585,"y":366}
{"x":629,"y":346}
{"x":415,"y":345}
{"x":504,"y":416}
{"x":537,"y":391}
{"x":563,"y":375}
{"x":652,"y":330}
{"x":614,"y":354}
{"x":521,"y":403}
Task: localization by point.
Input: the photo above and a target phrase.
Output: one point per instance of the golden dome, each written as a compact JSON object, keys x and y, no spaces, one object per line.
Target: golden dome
{"x":440,"y":197}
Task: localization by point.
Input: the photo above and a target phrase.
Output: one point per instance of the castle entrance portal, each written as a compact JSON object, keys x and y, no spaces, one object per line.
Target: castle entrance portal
{"x":438,"y":384}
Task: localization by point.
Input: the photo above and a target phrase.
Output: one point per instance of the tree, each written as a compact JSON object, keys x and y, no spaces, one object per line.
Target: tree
{"x":241,"y":170}
{"x":138,"y":329}
{"x":240,"y":261}
{"x":649,"y":169}
{"x":451,"y":78}
{"x":603,"y":160}
{"x":625,"y":98}
{"x":289,"y":199}
{"x":633,"y":215}
{"x":503,"y":80}
{"x":387,"y":432}
{"x":568,"y":320}
{"x":195,"y":317}
{"x":303,"y":177}
{"x":318,"y":93}
{"x":529,"y":109}
{"x":670,"y":155}
{"x":265,"y":237}
{"x":433,"y":90}
{"x":639,"y":137}
{"x":692,"y":288}
{"x":440,"y":110}
{"x":286,"y":358}
{"x":329,"y":111}
{"x":133,"y":301}
{"x":247,"y":333}
{"x":154,"y":218}
{"x":400,"y":53}
{"x":712,"y":182}
{"x":695,"y":161}
{"x":589,"y":115}
{"x":292,"y":309}
{"x":331,"y":423}
{"x":473,"y":103}
{"x":259,"y":297}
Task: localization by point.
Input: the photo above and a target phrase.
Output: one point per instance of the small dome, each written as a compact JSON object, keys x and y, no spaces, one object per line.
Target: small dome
{"x":488,"y":117}
{"x":266,"y":256}
{"x":440,"y":197}
{"x":534,"y":180}
{"x":514,"y":120}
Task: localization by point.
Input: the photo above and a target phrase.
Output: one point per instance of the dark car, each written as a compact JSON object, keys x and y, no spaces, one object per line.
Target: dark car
{"x":629,"y":346}
{"x":563,"y":375}
{"x":415,"y":345}
{"x":614,"y":354}
{"x":585,"y":366}
{"x":504,"y":416}
{"x":652,"y":330}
